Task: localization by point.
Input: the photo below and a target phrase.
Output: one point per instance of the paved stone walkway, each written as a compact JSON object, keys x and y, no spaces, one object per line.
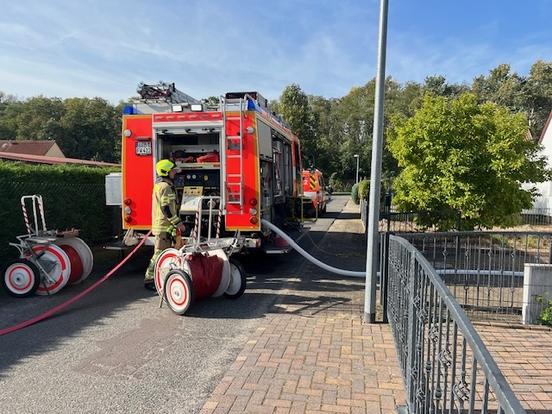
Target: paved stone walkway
{"x":525,"y":358}
{"x":314,"y":355}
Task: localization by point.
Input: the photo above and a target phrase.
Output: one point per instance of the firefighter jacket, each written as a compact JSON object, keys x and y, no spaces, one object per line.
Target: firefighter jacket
{"x":164,"y":207}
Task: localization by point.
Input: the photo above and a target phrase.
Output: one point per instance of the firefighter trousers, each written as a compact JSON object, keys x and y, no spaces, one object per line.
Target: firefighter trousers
{"x":162,"y":241}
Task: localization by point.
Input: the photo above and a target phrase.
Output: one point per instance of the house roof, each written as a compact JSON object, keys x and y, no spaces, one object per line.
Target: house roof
{"x":42,"y":159}
{"x":32,"y":147}
{"x":546,"y":125}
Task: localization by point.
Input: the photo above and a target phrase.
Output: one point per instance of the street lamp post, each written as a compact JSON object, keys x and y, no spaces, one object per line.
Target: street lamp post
{"x":357,"y":158}
{"x":377,"y":148}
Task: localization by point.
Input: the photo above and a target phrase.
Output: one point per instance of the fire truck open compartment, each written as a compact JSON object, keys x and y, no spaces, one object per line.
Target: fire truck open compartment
{"x":193,"y":145}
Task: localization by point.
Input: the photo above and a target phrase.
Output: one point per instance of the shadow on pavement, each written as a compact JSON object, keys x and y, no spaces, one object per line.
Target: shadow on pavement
{"x":308,"y":290}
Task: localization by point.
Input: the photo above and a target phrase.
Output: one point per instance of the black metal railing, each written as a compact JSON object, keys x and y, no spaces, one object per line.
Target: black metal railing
{"x":446,"y":366}
{"x":485,"y":270}
{"x":536,"y":217}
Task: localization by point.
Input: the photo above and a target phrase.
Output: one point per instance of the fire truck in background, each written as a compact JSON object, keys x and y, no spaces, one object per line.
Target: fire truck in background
{"x":235,"y":155}
{"x":314,"y":187}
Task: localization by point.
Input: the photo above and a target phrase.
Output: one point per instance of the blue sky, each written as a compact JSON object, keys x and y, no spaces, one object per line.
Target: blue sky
{"x":104,"y":48}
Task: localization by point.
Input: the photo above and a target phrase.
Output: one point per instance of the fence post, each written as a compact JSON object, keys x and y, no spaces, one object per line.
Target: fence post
{"x":384,"y":274}
{"x":412,"y":333}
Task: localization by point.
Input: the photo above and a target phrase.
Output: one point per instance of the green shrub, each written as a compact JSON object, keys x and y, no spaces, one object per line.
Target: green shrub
{"x":354,"y":194}
{"x":74,"y":197}
{"x":363,"y":189}
{"x":545,"y":317}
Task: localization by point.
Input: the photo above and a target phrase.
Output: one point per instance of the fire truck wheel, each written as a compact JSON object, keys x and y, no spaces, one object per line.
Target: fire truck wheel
{"x":178,"y":291}
{"x":21,"y":278}
{"x":238,"y":280}
{"x":324,"y":208}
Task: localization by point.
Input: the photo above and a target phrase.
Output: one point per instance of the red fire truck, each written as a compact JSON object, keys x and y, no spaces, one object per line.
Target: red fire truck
{"x":235,"y":155}
{"x":314,"y":188}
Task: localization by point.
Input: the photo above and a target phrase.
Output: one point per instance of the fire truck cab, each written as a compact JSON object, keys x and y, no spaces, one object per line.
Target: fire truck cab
{"x":235,"y":157}
{"x":315,"y":188}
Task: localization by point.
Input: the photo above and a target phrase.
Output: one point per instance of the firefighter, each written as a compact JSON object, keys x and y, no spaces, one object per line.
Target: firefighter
{"x":165,"y":219}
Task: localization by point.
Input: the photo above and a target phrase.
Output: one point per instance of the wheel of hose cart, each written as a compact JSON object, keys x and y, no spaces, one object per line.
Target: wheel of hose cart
{"x":238,"y":280}
{"x":56,"y":263}
{"x":178,"y":291}
{"x":85,"y":254}
{"x":168,"y":260}
{"x":21,"y":278}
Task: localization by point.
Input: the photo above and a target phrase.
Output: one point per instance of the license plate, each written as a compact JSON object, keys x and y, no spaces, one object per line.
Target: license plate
{"x":143,"y":148}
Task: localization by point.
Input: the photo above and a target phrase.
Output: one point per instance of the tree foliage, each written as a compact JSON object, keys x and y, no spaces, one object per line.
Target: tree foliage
{"x":332,"y":130}
{"x":83,"y":128}
{"x":531,"y":94}
{"x":462,"y":159}
{"x":294,"y":107}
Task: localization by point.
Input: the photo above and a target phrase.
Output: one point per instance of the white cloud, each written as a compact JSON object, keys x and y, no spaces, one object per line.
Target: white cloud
{"x":207,"y":48}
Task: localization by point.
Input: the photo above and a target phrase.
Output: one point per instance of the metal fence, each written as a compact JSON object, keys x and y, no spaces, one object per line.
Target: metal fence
{"x":536,"y":217}
{"x":485,"y":270}
{"x":446,"y":366}
{"x":409,"y":221}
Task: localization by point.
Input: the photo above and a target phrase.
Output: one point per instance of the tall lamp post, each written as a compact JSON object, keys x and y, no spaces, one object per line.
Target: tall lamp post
{"x":377,"y":148}
{"x":357,"y":158}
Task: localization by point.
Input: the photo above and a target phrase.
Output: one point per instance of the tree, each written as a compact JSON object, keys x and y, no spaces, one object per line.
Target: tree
{"x":464,"y":160}
{"x":538,"y":95}
{"x":10,"y":108}
{"x":295,"y":109}
{"x":39,"y":117}
{"x":90,"y":129}
{"x":531,"y":95}
{"x":438,"y":85}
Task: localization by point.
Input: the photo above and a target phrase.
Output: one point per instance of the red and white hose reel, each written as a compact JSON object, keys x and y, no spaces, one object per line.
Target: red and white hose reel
{"x":48,"y":259}
{"x":185,"y":275}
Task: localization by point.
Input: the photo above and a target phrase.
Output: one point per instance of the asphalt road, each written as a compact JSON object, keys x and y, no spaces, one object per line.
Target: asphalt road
{"x":115,"y":351}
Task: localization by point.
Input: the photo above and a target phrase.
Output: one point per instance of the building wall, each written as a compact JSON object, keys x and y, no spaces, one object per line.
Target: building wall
{"x":55,"y":151}
{"x":544,"y":200}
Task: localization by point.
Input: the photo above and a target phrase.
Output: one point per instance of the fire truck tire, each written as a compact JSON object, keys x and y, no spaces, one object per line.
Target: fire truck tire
{"x":178,"y":291}
{"x":238,"y":280}
{"x":225,"y":279}
{"x":21,"y":278}
{"x":324,"y":209}
{"x":56,"y":262}
{"x":85,"y":254}
{"x":167,"y":261}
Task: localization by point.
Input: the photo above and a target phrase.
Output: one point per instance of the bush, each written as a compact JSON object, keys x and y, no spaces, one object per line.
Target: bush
{"x":354,"y":194}
{"x":545,"y":317}
{"x":74,"y":196}
{"x":363,"y":189}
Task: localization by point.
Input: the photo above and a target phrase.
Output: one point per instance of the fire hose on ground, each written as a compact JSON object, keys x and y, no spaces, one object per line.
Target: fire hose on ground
{"x":313,"y":260}
{"x":75,"y":298}
{"x":85,"y":292}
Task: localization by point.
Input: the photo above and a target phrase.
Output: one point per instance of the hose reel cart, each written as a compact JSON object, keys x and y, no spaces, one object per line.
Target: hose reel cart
{"x":48,"y":259}
{"x":203,"y":267}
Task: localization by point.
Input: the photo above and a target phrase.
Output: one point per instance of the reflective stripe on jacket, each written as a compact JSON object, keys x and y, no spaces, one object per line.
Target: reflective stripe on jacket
{"x":164,"y":207}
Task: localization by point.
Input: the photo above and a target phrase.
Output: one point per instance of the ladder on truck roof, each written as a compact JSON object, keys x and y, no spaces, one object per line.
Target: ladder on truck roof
{"x":233,"y":186}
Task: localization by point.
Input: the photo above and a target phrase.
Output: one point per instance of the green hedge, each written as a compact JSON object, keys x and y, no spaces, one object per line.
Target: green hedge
{"x":74,"y":196}
{"x":354,"y":194}
{"x":364,"y":189}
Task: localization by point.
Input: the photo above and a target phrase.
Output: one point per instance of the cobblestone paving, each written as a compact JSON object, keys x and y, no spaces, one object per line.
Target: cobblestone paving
{"x":315,"y":355}
{"x":525,"y":358}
